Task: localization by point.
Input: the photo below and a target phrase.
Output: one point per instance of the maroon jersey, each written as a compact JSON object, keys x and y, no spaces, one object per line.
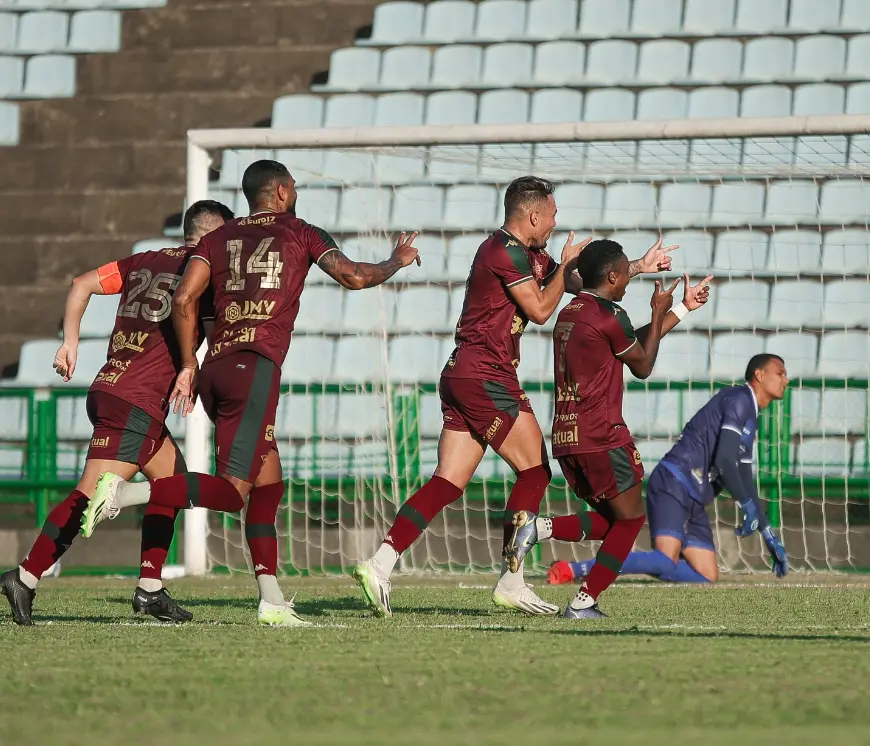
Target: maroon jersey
{"x":491,"y":324}
{"x":258,"y":267}
{"x":590,"y":337}
{"x":143,"y":357}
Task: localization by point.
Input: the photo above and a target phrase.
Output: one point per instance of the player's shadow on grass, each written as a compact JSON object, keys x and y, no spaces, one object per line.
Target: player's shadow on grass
{"x":635,"y":632}
{"x":42,"y":619}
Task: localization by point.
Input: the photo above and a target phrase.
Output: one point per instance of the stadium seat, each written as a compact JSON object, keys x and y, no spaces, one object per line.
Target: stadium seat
{"x":418,"y":208}
{"x":602,"y":18}
{"x":795,"y":251}
{"x":370,"y":312}
{"x":629,"y":204}
{"x":364,"y":208}
{"x":821,"y":152}
{"x":805,"y":406}
{"x":795,"y":304}
{"x":581,"y":205}
{"x":361,"y":416}
{"x":847,"y":303}
{"x":354,"y":110}
{"x":234,"y":163}
{"x":817,"y":99}
{"x":844,"y":202}
{"x":696,"y":250}
{"x":611,"y":61}
{"x":309,"y":359}
{"x":503,"y":107}
{"x":43,"y":31}
{"x":704,"y":17}
{"x":72,"y":418}
{"x":860,"y":458}
{"x":636,"y":302}
{"x":656,"y":17}
{"x":716,"y":60}
{"x":433,"y":255}
{"x":551,"y":105}
{"x":792,"y":201}
{"x":14,"y":418}
{"x":319,"y":206}
{"x":652,"y":451}
{"x":95,"y":31}
{"x":498,"y":20}
{"x":684,"y":204}
{"x":823,"y":456}
{"x":536,"y":359}
{"x":742,"y":304}
{"x":640,"y":409}
{"x":507,"y":64}
{"x":359,"y":359}
{"x":400,"y":110}
{"x":451,"y":107}
{"x":767,"y":58}
{"x":423,"y":310}
{"x":542,"y":406}
{"x":757,"y":16}
{"x":459,"y":258}
{"x":765,"y":101}
{"x":34,"y":364}
{"x":663,"y":104}
{"x":713,"y":102}
{"x":11,"y":76}
{"x":559,"y":63}
{"x":470,"y":207}
{"x":320,"y":310}
{"x":354,"y":68}
{"x":818,"y":57}
{"x":855,"y":15}
{"x":846,"y":252}
{"x":429,"y":410}
{"x":799,"y":350}
{"x":551,"y":19}
{"x":843,"y":411}
{"x":99,"y":316}
{"x":403,"y":68}
{"x":449,"y":20}
{"x":298,"y":111}
{"x":92,"y":357}
{"x":844,"y":354}
{"x":50,"y":76}
{"x":298,"y":417}
{"x":415,"y":358}
{"x":635,"y":242}
{"x":456,"y":65}
{"x":811,"y":15}
{"x":685,"y":357}
{"x":858,"y":57}
{"x":609,"y":105}
{"x":152,"y":244}
{"x":663,"y":61}
{"x":858,"y":100}
{"x":8,"y":33}
{"x":737,"y":203}
{"x":729,"y":353}
{"x":397,"y":23}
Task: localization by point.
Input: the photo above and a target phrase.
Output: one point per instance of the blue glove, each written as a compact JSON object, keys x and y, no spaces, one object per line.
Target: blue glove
{"x":777,"y":551}
{"x":751,"y":519}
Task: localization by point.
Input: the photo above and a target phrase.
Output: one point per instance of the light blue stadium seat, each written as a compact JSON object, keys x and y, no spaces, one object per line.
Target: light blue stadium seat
{"x":508,"y":106}
{"x":846,"y":252}
{"x":757,"y":16}
{"x":740,"y":252}
{"x":551,"y":19}
{"x":858,"y":99}
{"x":818,"y":57}
{"x":152,"y":244}
{"x":719,"y":103}
{"x":405,"y":67}
{"x":354,"y":68}
{"x":449,"y":20}
{"x":353,"y":110}
{"x":843,"y":411}
{"x":368,"y":248}
{"x":505,"y":106}
{"x":432,"y":250}
{"x":766,"y":101}
{"x":364,"y":208}
{"x":397,"y":23}
{"x":422,"y":310}
{"x":704,"y":17}
{"x":536,"y":358}
{"x":99,"y":316}
{"x":805,"y":406}
{"x":824,"y":151}
{"x":299,"y":111}
{"x":319,"y":206}
{"x":611,"y":61}
{"x":656,"y":17}
{"x":855,"y":15}
{"x":415,"y":358}
{"x":580,"y":205}
{"x":34,"y":363}
{"x":847,"y":303}
{"x":609,"y":105}
{"x":823,"y":456}
{"x":297,"y":417}
{"x":92,"y":357}
{"x":799,"y":350}
{"x":602,"y":18}
{"x":470,"y":207}
{"x":717,"y":60}
{"x":860,"y":458}
{"x":767,"y":58}
{"x":652,"y":451}
{"x":696,"y":249}
{"x":640,"y":409}
{"x":456,"y":65}
{"x":811,"y":15}
{"x":14,"y":418}
{"x":11,"y":76}
{"x":50,"y":76}
{"x":685,"y":357}
{"x":629,"y":205}
{"x":459,"y":257}
{"x":555,"y":105}
{"x":359,"y":359}
{"x":818,"y":98}
{"x":795,"y":304}
{"x":795,"y":251}
{"x":858,"y":57}
{"x":418,"y":208}
{"x":95,"y":31}
{"x":43,"y":31}
{"x":844,"y":202}
{"x":637,"y":297}
{"x":742,"y":304}
{"x":737,"y":203}
{"x":844,"y":354}
{"x":684,"y":204}
{"x":369,"y":313}
{"x":310,"y":358}
{"x":792,"y":201}
{"x":559,"y":62}
{"x":72,"y":419}
{"x":498,"y":20}
{"x":361,"y":416}
{"x":8,"y":32}
{"x":320,"y":309}
{"x":452,"y":107}
{"x":400,"y":110}
{"x":729,"y":353}
{"x":234,"y":163}
{"x":662,"y":104}
{"x":507,"y":64}
{"x":663,"y":61}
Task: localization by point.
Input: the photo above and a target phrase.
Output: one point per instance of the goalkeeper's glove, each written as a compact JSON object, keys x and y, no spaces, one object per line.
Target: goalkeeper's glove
{"x":751,"y":519}
{"x":777,"y":551}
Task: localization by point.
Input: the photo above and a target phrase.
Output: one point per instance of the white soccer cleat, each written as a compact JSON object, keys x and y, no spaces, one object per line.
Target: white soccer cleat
{"x":522,"y":599}
{"x":102,"y":506}
{"x":279,"y":615}
{"x":375,"y":588}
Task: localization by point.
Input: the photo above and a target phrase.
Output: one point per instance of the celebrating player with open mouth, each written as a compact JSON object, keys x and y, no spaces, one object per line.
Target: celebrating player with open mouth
{"x":513,"y":280}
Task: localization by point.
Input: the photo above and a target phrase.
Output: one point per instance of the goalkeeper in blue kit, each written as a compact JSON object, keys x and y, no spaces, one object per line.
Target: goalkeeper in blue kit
{"x":713,"y":453}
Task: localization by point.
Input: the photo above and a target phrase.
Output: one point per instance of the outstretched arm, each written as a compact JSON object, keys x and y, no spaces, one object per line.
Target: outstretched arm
{"x":185,"y":304}
{"x":361,"y":275}
{"x":80,"y":292}
{"x":655,"y":260}
{"x":694,"y":297}
{"x":641,"y":357}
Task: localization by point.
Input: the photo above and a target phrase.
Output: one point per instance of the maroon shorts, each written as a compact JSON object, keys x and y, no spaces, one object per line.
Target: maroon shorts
{"x":122,"y":431}
{"x":240,"y":395}
{"x":486,"y":409}
{"x":604,"y":474}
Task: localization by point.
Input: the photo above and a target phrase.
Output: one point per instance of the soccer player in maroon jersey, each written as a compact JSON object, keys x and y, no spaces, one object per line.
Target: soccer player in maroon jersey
{"x":127,"y":404}
{"x":256,"y":267}
{"x":513,"y":280}
{"x":592,"y":340}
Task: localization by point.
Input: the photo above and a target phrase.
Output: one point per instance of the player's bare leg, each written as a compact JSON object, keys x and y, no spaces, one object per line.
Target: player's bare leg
{"x":702,"y":561}
{"x":459,"y":454}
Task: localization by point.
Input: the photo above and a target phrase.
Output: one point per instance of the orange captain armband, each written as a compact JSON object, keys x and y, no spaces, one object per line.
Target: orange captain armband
{"x":110,"y":278}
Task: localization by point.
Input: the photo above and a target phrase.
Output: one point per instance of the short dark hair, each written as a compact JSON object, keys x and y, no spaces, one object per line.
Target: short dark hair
{"x":597,"y":260}
{"x":200,"y":209}
{"x":260,"y":175}
{"x":759,"y":361}
{"x":523,"y":192}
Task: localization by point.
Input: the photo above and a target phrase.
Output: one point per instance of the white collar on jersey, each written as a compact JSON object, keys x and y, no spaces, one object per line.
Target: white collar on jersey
{"x":754,"y":400}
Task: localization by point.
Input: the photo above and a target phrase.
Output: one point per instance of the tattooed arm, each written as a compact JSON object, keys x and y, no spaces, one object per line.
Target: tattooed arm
{"x":360,"y":275}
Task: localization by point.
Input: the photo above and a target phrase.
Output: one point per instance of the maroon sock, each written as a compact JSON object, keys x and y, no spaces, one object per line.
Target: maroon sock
{"x":614,"y":549}
{"x":192,"y":490}
{"x":580,"y":526}
{"x":527,"y":493}
{"x":58,"y":532}
{"x":260,"y":527}
{"x":158,"y":528}
{"x":419,"y":510}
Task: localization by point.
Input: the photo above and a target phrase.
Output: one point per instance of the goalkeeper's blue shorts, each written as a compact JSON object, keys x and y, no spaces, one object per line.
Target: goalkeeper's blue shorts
{"x":672,"y":512}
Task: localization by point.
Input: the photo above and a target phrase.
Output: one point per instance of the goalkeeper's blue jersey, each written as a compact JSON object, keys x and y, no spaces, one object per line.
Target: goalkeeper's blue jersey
{"x":733,"y":408}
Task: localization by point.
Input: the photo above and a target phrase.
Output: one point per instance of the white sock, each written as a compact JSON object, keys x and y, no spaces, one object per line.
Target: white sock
{"x":511,"y":581}
{"x":270,"y":591}
{"x":385,"y":560}
{"x":582,"y":600}
{"x":29,"y":579}
{"x":129,"y":494}
{"x":545,"y":528}
{"x":150,"y":585}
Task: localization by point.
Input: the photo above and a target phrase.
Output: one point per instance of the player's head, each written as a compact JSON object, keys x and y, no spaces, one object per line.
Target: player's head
{"x":603,"y":267}
{"x":268,"y":185}
{"x":767,"y":375}
{"x":530,"y":210}
{"x":204,"y":217}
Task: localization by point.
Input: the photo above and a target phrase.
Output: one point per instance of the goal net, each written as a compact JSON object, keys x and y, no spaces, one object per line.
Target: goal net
{"x":775,"y":209}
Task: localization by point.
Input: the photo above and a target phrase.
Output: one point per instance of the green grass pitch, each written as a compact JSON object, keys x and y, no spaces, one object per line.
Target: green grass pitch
{"x":757,"y":662}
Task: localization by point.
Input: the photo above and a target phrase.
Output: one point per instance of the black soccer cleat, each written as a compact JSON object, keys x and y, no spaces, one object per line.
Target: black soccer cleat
{"x":160,"y":605}
{"x":20,"y":597}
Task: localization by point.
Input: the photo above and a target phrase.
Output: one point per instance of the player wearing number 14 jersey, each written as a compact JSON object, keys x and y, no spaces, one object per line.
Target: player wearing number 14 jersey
{"x":127,"y":405}
{"x":256,"y":268}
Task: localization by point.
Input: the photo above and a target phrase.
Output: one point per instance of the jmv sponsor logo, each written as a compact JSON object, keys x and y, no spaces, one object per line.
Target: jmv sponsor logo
{"x":567,"y":393}
{"x":258,"y":310}
{"x":492,"y":429}
{"x":132,"y":341}
{"x":567,"y":437}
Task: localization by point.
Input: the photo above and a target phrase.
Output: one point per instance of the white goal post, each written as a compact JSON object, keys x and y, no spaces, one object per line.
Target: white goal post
{"x":777,"y":208}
